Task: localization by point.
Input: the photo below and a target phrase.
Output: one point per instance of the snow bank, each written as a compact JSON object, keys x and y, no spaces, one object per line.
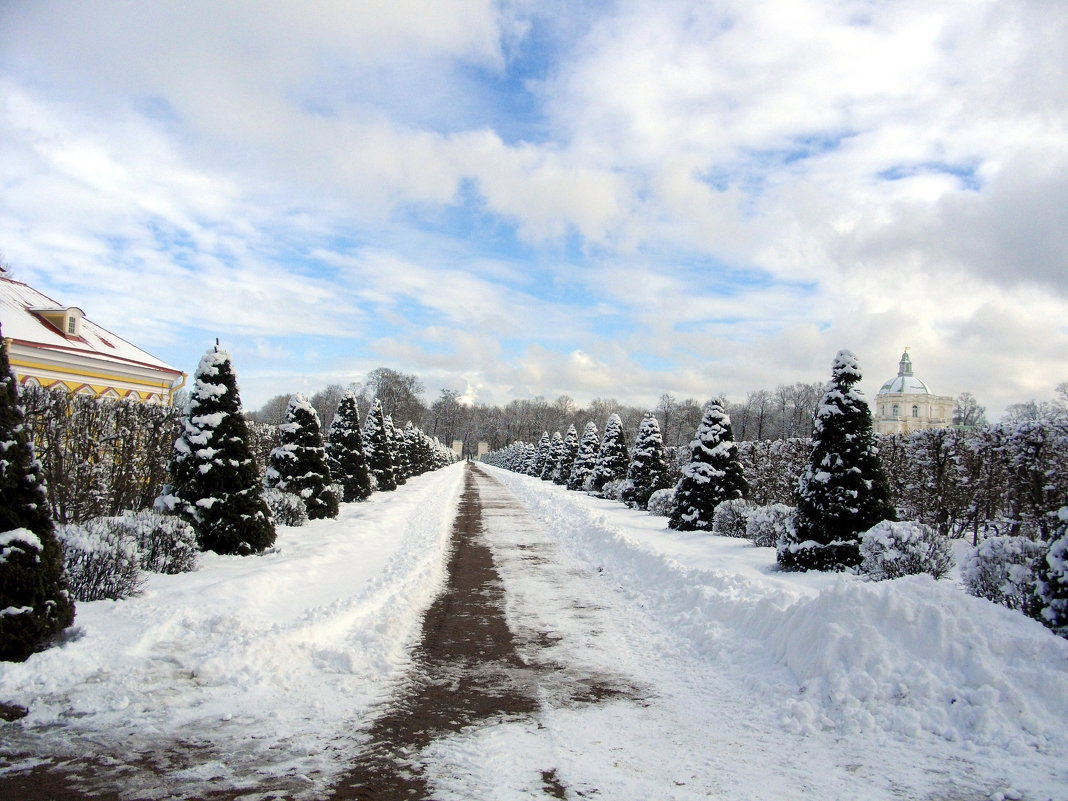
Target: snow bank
{"x":268,"y":658}
{"x":834,"y":652}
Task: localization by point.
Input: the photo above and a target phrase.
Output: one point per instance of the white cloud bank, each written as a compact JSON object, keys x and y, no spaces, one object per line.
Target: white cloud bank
{"x":697,"y":197}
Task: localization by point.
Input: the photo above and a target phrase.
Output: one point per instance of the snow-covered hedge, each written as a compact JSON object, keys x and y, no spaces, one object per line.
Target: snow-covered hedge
{"x":766,"y":524}
{"x":1002,"y":570}
{"x":101,"y":560}
{"x":731,"y":517}
{"x":613,"y":490}
{"x":661,"y":502}
{"x":892,"y":549}
{"x":287,"y":508}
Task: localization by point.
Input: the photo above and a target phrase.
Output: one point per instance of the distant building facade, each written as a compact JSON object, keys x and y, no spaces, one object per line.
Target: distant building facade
{"x":51,"y":345}
{"x":905,"y":404}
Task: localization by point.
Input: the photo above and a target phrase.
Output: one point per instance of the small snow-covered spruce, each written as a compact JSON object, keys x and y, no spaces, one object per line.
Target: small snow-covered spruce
{"x":344,"y":451}
{"x":1051,"y":588}
{"x":843,"y":490}
{"x":713,"y":474}
{"x":377,"y":448}
{"x":541,"y":455}
{"x":648,"y":470}
{"x":612,"y":460}
{"x":415,"y":463}
{"x":891,"y":550}
{"x":35,"y":602}
{"x":556,"y":450}
{"x":215,"y":484}
{"x":586,"y":458}
{"x":568,"y":452}
{"x":397,"y":451}
{"x":298,"y":465}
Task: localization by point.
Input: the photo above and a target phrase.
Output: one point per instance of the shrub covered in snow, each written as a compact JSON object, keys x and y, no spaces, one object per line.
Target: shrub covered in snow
{"x":101,"y":559}
{"x":891,"y":549}
{"x":662,"y":501}
{"x":1002,"y":570}
{"x":613,"y":490}
{"x":288,"y":509}
{"x":165,"y":543}
{"x":731,"y":517}
{"x":765,"y":525}
{"x":1052,"y":588}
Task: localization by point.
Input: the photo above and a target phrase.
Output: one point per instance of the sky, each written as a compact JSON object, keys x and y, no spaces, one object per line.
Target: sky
{"x":540,"y":197}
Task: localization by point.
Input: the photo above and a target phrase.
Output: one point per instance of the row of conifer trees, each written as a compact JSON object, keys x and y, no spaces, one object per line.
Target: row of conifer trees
{"x":842,"y":491}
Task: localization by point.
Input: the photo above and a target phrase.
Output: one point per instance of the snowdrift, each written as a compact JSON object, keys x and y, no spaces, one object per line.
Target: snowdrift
{"x":833,"y":652}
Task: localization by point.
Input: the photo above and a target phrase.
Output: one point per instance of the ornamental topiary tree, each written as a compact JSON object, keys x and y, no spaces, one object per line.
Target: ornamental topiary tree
{"x":35,"y":603}
{"x":298,"y":465}
{"x":648,"y":471}
{"x":344,"y":451}
{"x":568,"y":452}
{"x":843,"y":491}
{"x":377,"y":449}
{"x":586,"y":458}
{"x":713,"y":474}
{"x":215,"y":485}
{"x":612,"y":460}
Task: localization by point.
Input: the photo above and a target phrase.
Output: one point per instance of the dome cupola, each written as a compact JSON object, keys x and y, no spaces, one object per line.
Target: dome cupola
{"x":904,"y":381}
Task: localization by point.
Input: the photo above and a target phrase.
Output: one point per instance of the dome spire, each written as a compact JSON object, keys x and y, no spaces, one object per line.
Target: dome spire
{"x":904,"y":367}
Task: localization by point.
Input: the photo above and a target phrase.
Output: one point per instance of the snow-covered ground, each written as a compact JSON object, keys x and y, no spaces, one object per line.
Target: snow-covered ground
{"x":670,"y":665}
{"x":257,"y":666}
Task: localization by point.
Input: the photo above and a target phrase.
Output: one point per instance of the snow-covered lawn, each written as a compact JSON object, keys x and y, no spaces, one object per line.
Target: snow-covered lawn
{"x":714,"y":674}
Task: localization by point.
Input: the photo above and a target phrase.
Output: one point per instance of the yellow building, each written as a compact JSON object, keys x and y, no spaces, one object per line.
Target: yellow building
{"x":52,"y":345}
{"x":905,"y":404}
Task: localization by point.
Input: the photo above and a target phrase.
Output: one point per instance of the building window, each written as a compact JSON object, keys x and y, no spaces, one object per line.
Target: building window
{"x":915,"y":411}
{"x":896,"y":409}
{"x":72,"y":325}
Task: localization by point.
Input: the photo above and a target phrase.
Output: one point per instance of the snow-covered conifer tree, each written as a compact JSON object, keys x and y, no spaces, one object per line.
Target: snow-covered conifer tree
{"x":586,"y":458}
{"x":541,"y":455}
{"x":567,"y":456}
{"x":299,"y":465}
{"x":713,"y":474}
{"x":376,"y":447}
{"x":35,"y":603}
{"x":556,"y":450}
{"x":415,"y":463}
{"x":215,"y":485}
{"x":344,"y":451}
{"x":398,"y":451}
{"x":843,"y":491}
{"x":648,"y":471}
{"x":1052,"y":586}
{"x":612,"y":458}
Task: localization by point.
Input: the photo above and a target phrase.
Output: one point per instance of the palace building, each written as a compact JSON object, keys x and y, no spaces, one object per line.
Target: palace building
{"x":51,"y":345}
{"x":905,"y":404}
